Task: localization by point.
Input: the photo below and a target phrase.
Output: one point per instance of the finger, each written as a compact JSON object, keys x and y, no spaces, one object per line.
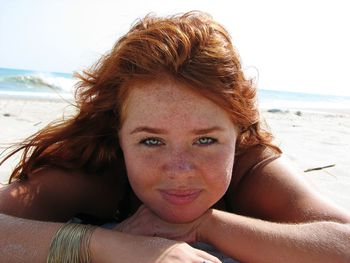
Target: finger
{"x":209,"y":261}
{"x":212,"y":260}
{"x":207,"y":258}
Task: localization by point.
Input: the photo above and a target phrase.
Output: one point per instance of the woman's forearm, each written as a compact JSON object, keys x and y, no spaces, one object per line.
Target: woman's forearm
{"x":113,"y":246}
{"x":253,"y":240}
{"x":23,"y":240}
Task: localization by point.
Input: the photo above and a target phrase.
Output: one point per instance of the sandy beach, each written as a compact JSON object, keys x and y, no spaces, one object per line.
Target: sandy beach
{"x":309,"y":139}
{"x":317,"y":138}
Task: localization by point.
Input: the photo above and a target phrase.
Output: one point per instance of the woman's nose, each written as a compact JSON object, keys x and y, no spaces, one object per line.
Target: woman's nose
{"x":179,"y":162}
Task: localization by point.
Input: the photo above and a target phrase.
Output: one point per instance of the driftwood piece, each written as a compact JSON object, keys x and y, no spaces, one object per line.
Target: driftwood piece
{"x":319,"y":168}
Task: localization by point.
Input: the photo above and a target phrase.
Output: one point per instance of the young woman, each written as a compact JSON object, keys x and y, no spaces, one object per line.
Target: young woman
{"x":168,"y":143}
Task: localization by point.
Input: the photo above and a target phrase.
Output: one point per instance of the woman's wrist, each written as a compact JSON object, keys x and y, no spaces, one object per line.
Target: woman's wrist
{"x":107,"y":245}
{"x":97,"y":245}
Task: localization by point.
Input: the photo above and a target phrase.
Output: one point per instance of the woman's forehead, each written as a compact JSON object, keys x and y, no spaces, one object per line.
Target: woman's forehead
{"x":162,"y":91}
{"x":170,"y":102}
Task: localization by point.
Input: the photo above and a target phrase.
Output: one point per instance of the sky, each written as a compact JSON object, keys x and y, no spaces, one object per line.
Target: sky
{"x":300,"y":45}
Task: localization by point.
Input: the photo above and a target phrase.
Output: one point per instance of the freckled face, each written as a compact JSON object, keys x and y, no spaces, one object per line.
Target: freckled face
{"x":178,"y":149}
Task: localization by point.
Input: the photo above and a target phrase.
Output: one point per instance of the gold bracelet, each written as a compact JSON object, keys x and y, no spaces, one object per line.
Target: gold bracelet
{"x":70,"y":244}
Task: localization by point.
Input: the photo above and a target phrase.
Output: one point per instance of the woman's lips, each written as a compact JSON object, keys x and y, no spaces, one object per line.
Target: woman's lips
{"x":180,"y":197}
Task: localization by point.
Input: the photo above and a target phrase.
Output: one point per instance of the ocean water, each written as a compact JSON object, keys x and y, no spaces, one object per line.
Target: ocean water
{"x":26,"y":83}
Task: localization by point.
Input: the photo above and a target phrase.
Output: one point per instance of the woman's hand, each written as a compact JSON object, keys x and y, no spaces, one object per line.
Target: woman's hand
{"x":111,"y":246}
{"x":180,"y":252}
{"x":145,"y":222}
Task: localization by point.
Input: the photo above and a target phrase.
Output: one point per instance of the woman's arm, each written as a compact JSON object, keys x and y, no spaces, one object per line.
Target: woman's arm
{"x":279,"y":193}
{"x":295,"y":225}
{"x":254,"y":240}
{"x":57,"y":195}
{"x":49,"y":195}
{"x":23,"y":240}
{"x":113,"y":246}
{"x":249,"y":239}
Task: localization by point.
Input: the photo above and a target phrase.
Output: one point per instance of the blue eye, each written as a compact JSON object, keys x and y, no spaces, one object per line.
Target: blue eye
{"x":206,"y":141}
{"x":151,"y":142}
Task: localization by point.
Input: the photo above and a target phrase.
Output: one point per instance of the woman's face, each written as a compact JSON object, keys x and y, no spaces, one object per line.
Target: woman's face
{"x":178,"y":149}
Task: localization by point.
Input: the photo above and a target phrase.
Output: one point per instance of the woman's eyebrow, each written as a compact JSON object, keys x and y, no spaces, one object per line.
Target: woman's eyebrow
{"x":207,"y":130}
{"x":148,"y":129}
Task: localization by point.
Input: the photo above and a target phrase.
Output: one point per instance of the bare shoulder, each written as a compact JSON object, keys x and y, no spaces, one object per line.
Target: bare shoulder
{"x":53,"y":194}
{"x":278,"y":192}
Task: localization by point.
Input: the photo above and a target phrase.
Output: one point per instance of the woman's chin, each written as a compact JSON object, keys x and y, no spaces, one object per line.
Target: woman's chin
{"x":179,"y":218}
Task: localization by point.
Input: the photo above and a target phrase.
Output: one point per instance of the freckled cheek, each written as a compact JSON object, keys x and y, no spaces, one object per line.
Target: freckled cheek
{"x":218,"y":168}
{"x":141,"y":167}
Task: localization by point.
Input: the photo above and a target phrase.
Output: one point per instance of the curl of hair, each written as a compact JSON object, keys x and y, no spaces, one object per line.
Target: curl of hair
{"x":192,"y":48}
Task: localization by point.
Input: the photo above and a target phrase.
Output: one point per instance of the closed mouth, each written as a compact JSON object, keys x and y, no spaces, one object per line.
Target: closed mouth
{"x":180,"y":197}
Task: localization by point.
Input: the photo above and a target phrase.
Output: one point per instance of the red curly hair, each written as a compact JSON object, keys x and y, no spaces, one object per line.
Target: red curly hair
{"x":193,"y":48}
